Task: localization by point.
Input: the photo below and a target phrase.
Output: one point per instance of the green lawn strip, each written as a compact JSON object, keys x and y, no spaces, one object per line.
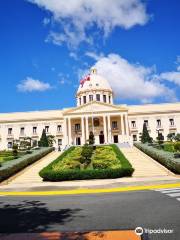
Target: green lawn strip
{"x":166,"y":158}
{"x":59,"y":170}
{"x":9,"y":168}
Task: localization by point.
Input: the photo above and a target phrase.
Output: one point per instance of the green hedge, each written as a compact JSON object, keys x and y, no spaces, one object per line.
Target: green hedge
{"x":165,"y":158}
{"x":48,"y":174}
{"x":9,"y":168}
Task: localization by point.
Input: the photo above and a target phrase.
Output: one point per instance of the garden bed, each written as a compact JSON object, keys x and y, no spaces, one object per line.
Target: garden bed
{"x":9,"y":168}
{"x":166,"y":158}
{"x":106,"y":162}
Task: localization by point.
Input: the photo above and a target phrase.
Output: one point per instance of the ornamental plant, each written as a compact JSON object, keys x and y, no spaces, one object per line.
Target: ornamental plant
{"x":43,"y":140}
{"x":145,"y":137}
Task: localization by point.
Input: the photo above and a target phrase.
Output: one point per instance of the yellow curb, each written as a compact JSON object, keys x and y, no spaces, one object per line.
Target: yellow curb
{"x":90,"y":191}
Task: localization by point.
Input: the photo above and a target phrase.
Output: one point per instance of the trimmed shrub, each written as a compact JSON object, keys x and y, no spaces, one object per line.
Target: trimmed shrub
{"x":49,"y":173}
{"x":9,"y":168}
{"x":168,"y":147}
{"x":165,"y":158}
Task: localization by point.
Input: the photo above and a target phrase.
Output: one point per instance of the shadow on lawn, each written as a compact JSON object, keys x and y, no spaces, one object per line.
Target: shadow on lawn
{"x":32,"y":216}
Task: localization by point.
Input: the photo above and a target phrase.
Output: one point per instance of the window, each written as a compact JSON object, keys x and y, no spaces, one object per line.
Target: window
{"x":133,"y":124}
{"x":90,"y":98}
{"x":59,"y":128}
{"x":97,"y":84}
{"x":109,"y":99}
{"x":46,"y":129}
{"x":146,"y":122}
{"x":22,"y":131}
{"x":114,"y":125}
{"x":34,"y":130}
{"x":79,"y":101}
{"x":59,"y":141}
{"x":134,"y":138}
{"x":9,"y":131}
{"x":171,"y":120}
{"x":84,"y":99}
{"x":77,"y":127}
{"x":104,"y":98}
{"x":158,"y":122}
{"x":98,"y":97}
{"x":10,"y":144}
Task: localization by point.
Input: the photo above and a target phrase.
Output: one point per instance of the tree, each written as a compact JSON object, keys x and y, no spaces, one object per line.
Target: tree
{"x":91,"y":138}
{"x":51,"y":140}
{"x":15,"y":149}
{"x":43,"y":140}
{"x":86,"y":154}
{"x":145,"y":137}
{"x":160,"y":138}
{"x":171,"y":136}
{"x":177,"y":137}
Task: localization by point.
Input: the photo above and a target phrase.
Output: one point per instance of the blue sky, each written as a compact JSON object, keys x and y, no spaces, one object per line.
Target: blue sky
{"x":46,"y":46}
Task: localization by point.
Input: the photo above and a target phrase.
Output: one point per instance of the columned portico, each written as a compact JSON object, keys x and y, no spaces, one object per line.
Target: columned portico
{"x":87,"y":129}
{"x":109,"y":129}
{"x":69,"y":131}
{"x":105,"y":128}
{"x":83,"y":131}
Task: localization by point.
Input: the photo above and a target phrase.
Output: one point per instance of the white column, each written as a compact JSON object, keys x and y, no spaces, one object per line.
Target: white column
{"x":109,"y":129}
{"x":69,"y":131}
{"x":122,"y":124}
{"x":127,"y":126}
{"x":87,"y":128}
{"x":83,"y":132}
{"x":105,"y":129}
{"x":65,"y":131}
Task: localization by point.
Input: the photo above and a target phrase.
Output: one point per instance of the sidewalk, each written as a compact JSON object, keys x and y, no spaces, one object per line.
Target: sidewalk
{"x":147,"y":172}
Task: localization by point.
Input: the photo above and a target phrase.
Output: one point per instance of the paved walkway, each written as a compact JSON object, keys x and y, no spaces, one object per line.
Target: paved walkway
{"x":147,"y":172}
{"x":144,"y":165}
{"x":30,"y":174}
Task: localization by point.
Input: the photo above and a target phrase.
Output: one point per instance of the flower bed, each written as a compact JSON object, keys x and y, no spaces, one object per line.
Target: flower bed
{"x":9,"y":168}
{"x":164,"y":157}
{"x":106,"y":162}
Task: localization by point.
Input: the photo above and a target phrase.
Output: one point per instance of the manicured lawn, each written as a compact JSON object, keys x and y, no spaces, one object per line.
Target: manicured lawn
{"x":106,"y":162}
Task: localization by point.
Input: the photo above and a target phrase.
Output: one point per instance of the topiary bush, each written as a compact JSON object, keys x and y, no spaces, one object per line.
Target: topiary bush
{"x":165,"y":158}
{"x":51,"y":173}
{"x":9,"y":168}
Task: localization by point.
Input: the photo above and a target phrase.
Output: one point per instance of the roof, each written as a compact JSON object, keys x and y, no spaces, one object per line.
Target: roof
{"x":154,"y":108}
{"x":95,"y":82}
{"x":30,"y":116}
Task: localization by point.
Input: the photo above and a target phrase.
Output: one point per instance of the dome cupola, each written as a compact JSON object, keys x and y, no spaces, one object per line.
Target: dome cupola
{"x":93,"y":87}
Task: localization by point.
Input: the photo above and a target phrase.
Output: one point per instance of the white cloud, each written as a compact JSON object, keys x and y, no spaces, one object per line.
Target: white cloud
{"x":171,"y":76}
{"x":77,"y":16}
{"x":132,"y":81}
{"x":30,"y":85}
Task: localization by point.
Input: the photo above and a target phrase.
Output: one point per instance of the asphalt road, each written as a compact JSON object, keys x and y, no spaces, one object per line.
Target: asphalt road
{"x":110,"y":211}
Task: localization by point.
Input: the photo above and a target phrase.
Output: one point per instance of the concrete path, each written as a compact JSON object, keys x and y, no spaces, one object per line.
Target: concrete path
{"x":144,"y":165}
{"x":30,"y":174}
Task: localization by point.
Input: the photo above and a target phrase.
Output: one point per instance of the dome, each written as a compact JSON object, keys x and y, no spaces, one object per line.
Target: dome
{"x":94,"y":87}
{"x":93,"y":81}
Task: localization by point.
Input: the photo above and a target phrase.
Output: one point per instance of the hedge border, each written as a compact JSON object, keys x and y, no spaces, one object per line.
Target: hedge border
{"x":10,"y":168}
{"x":48,"y":174}
{"x":163,"y":157}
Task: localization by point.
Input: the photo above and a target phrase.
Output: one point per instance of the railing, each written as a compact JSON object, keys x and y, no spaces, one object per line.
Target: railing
{"x":10,"y":136}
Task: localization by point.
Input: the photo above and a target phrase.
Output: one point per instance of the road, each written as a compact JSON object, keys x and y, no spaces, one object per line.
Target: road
{"x":111,"y":211}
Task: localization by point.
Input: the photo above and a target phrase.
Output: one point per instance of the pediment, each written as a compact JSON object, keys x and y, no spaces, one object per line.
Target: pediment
{"x":95,"y":107}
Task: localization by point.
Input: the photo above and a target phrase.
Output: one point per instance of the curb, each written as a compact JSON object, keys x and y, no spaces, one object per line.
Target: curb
{"x":89,"y":191}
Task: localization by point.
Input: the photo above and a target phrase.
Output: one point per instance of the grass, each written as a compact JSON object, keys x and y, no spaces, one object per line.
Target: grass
{"x":106,"y":162}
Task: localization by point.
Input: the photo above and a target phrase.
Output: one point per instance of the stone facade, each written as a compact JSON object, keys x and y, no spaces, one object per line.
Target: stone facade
{"x":95,"y":112}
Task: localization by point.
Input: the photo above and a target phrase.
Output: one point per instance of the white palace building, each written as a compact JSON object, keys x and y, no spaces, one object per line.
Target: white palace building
{"x":95,"y":112}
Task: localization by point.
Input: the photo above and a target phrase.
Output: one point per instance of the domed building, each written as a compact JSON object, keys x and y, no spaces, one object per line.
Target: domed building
{"x":94,"y":88}
{"x":95,"y":113}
